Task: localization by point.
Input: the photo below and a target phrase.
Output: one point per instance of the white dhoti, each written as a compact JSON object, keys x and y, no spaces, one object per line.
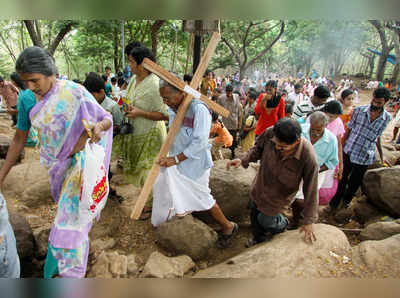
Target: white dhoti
{"x":176,"y":194}
{"x":321,"y":179}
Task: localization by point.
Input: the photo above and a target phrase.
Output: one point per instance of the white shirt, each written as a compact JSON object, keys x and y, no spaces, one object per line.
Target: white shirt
{"x":296,"y":98}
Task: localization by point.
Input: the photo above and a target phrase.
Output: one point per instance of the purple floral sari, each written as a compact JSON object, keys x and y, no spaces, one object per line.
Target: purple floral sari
{"x":58,"y":120}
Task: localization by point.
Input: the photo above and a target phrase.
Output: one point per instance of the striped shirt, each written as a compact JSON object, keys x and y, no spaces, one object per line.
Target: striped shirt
{"x":361,"y":143}
{"x":305,"y":108}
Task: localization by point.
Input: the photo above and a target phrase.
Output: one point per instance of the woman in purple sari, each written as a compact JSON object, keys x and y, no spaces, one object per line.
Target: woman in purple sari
{"x":57,"y":116}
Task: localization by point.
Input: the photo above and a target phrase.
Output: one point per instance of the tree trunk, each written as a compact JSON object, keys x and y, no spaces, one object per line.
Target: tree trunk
{"x":371,"y":66}
{"x":155,"y":28}
{"x":380,"y":72}
{"x":33,"y":28}
{"x":116,"y":51}
{"x":30,"y":26}
{"x":396,"y":70}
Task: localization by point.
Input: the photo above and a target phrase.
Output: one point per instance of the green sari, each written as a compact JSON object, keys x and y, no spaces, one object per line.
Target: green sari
{"x":140,"y":149}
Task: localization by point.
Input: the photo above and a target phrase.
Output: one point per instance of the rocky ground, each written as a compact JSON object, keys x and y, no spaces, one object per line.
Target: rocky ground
{"x":360,"y":242}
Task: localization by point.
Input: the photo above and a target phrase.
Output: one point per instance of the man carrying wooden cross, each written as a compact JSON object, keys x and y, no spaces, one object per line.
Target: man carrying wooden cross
{"x":182,"y":184}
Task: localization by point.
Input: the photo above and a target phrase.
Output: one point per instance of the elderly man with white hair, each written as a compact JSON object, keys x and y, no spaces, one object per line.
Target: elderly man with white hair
{"x":326,"y":149}
{"x":182,"y":185}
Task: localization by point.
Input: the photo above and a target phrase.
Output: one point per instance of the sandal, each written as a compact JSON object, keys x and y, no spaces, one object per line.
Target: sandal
{"x":146,"y":213}
{"x":225,"y":240}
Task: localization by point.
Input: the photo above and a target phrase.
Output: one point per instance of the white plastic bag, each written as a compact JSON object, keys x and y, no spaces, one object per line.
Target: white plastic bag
{"x":95,"y":186}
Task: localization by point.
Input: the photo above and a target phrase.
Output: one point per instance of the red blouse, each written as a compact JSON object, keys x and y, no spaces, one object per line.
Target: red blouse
{"x":269,"y":116}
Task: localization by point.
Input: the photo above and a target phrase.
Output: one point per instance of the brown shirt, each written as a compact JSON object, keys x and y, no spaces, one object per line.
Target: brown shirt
{"x":278,"y":180}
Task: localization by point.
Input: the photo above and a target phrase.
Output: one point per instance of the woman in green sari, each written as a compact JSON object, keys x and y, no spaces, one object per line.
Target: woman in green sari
{"x":146,"y":114}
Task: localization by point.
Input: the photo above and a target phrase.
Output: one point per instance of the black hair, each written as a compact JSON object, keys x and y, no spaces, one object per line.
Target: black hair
{"x":207,"y":72}
{"x":229,"y":88}
{"x":139,"y":53}
{"x":36,"y":60}
{"x":333,"y":107}
{"x":113,"y":79}
{"x":120,"y":74}
{"x":132,"y":44}
{"x":187,"y":78}
{"x":382,"y":92}
{"x":346,"y":93}
{"x":253,"y":95}
{"x":120,"y":82}
{"x":17,"y":80}
{"x":215,"y":117}
{"x":271,"y":83}
{"x":218,"y":90}
{"x":104,"y":77}
{"x":322,"y":92}
{"x":108,"y":67}
{"x":78,"y":81}
{"x":287,"y":130}
{"x":274,"y":101}
{"x":288,"y":108}
{"x":94,"y":82}
{"x":1,"y":79}
{"x":298,"y":86}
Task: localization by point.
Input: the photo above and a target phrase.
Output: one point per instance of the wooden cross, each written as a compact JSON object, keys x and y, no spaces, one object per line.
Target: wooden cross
{"x":180,"y":115}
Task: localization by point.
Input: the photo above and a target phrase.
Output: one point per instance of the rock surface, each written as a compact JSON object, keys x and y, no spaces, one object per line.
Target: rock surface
{"x":382,"y":187}
{"x":365,"y":212}
{"x":231,"y":189}
{"x":110,"y":265}
{"x":287,"y":255}
{"x":187,"y":235}
{"x":23,"y":234}
{"x":42,"y":239}
{"x":378,"y":258}
{"x":380,"y":231}
{"x":23,"y":176}
{"x":160,"y":266}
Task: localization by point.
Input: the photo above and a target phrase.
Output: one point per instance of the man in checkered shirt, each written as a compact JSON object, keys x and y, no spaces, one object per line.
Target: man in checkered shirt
{"x":363,"y":135}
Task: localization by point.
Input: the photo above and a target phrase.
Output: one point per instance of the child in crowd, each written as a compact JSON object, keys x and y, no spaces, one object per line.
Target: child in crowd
{"x":220,"y":137}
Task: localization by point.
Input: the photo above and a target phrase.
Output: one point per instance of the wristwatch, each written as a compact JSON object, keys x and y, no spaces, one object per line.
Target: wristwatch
{"x":176,"y":159}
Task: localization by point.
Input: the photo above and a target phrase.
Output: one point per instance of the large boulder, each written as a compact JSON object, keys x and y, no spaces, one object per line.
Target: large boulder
{"x":24,"y":176}
{"x":42,"y":240}
{"x":287,"y":255}
{"x":187,"y":235}
{"x":380,"y":231}
{"x":5,"y":142}
{"x":160,"y":266}
{"x":382,"y":187}
{"x":23,"y":234}
{"x":231,"y":189}
{"x":365,"y":212}
{"x":378,"y":258}
{"x":110,"y":265}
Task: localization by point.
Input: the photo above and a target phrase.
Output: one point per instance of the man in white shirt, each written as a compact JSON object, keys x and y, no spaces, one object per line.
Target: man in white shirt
{"x":297,"y":96}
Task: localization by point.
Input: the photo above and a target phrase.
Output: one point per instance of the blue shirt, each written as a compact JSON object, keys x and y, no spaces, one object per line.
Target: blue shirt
{"x":192,"y":140}
{"x":326,"y":148}
{"x":26,"y":101}
{"x":361,"y":143}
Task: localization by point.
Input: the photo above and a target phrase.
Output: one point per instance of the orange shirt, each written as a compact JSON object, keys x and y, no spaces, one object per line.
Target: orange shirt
{"x":223,"y":135}
{"x":346,"y":118}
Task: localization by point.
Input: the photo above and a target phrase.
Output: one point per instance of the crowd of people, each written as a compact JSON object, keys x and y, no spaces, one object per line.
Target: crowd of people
{"x":312,"y":144}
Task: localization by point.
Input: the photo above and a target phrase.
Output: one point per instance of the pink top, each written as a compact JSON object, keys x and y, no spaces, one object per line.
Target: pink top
{"x":336,"y":127}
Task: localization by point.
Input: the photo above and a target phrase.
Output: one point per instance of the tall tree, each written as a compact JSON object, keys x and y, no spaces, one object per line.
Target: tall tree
{"x":395,"y":27}
{"x":385,"y":48}
{"x":155,"y":28}
{"x":35,"y":32}
{"x":249,"y":41}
